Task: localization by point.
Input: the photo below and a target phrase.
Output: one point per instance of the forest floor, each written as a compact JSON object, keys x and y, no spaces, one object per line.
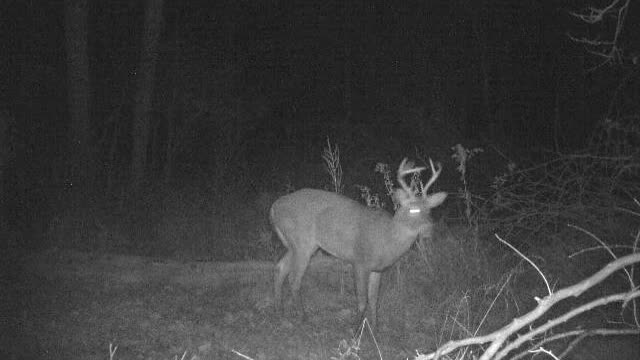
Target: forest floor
{"x":72,"y":305}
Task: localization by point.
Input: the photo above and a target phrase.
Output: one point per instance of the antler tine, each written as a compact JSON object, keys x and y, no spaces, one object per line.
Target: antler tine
{"x":404,"y":170}
{"x":434,"y":177}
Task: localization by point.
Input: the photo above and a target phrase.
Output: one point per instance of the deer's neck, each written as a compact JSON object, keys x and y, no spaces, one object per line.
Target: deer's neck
{"x":400,"y":237}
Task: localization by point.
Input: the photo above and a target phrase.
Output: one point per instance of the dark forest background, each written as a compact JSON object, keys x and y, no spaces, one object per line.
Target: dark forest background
{"x":163,"y":124}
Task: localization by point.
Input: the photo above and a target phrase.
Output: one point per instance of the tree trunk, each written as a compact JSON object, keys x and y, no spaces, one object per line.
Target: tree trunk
{"x":347,"y":100}
{"x":78,"y":91}
{"x":144,"y":92}
{"x":480,"y":26}
{"x":5,"y":151}
{"x":170,"y":144}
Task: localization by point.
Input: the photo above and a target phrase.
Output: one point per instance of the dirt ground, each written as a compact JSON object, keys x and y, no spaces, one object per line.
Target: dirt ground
{"x":71,"y":305}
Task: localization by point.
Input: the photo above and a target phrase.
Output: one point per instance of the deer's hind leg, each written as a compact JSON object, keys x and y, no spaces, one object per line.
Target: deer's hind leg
{"x":301,"y":257}
{"x":283,"y":269}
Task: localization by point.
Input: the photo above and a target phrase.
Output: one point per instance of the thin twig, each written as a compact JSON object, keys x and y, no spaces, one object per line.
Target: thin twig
{"x":528,"y":260}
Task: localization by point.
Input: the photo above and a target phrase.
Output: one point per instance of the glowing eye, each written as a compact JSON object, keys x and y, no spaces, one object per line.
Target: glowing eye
{"x":414,"y":211}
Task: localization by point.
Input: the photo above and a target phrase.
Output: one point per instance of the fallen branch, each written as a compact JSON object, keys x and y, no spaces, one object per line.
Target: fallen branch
{"x":498,"y":338}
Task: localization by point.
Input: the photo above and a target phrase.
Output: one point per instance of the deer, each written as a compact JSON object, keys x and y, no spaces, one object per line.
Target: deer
{"x":370,"y":239}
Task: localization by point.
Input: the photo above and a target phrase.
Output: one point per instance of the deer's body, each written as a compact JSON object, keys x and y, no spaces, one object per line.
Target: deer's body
{"x":340,"y":226}
{"x":370,"y":239}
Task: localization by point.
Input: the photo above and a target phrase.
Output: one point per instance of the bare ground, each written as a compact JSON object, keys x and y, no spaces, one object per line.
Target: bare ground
{"x":71,"y":305}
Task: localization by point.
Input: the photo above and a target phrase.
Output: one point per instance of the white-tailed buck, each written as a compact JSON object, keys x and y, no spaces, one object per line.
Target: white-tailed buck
{"x":370,"y":239}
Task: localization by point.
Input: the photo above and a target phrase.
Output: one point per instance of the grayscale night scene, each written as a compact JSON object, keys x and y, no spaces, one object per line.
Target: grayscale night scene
{"x":338,"y":179}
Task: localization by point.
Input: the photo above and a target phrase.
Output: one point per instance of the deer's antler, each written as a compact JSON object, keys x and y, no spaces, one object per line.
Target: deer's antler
{"x":434,"y":177}
{"x":405,"y":169}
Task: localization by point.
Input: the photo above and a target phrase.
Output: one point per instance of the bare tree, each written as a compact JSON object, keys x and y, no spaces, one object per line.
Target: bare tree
{"x":144,"y":91}
{"x":78,"y":88}
{"x":5,"y":153}
{"x":347,"y":83}
{"x":479,"y":21}
{"x":607,"y":48}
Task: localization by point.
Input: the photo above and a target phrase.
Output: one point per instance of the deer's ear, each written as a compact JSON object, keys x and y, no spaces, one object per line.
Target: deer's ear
{"x":402,"y":197}
{"x":436,"y":199}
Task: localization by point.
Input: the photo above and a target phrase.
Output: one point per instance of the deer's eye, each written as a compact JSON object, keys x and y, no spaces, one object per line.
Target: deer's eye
{"x":414,"y":211}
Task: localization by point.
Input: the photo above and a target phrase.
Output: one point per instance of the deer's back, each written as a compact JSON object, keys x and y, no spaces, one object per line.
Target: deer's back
{"x":339,"y":225}
{"x":304,"y":206}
